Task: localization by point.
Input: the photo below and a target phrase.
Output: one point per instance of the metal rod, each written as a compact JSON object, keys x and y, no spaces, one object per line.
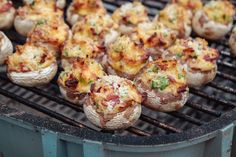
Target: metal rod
{"x":226,"y":64}
{"x":226,"y":76}
{"x":138,"y":131}
{"x":160,"y":124}
{"x":186,"y":118}
{"x":223,"y":88}
{"x":204,"y":109}
{"x":209,"y":97}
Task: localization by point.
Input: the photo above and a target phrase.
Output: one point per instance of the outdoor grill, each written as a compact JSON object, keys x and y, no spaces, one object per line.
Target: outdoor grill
{"x":39,"y":122}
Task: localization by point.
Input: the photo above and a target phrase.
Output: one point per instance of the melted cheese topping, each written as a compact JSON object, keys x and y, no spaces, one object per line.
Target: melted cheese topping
{"x":220,"y":11}
{"x":86,"y":7}
{"x":175,"y":17}
{"x":126,"y":57}
{"x":112,"y":94}
{"x":165,"y":76}
{"x":95,"y":27}
{"x":81,"y":75}
{"x":29,"y":57}
{"x":155,"y":35}
{"x":54,"y":32}
{"x":193,"y":5}
{"x":39,"y":10}
{"x":131,"y":14}
{"x":80,"y":47}
{"x":195,"y":53}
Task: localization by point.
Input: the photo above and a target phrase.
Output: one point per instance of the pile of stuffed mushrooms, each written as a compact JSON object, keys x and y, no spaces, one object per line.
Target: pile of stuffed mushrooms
{"x":111,"y":64}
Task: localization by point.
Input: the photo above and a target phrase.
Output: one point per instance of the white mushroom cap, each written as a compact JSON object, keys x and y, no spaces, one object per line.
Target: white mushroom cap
{"x":232,"y":43}
{"x":71,"y":18}
{"x":209,"y":29}
{"x":198,"y":78}
{"x":7,"y":18}
{"x":119,"y":121}
{"x":6,"y":48}
{"x":34,"y":78}
{"x":23,"y":25}
{"x":59,"y":3}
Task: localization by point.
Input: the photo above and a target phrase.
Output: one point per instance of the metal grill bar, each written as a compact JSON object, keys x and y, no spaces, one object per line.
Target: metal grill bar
{"x":223,"y":88}
{"x":187,"y":118}
{"x":226,"y":76}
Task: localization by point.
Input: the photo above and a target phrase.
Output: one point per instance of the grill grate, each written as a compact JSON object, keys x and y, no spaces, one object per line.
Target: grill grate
{"x":205,"y":104}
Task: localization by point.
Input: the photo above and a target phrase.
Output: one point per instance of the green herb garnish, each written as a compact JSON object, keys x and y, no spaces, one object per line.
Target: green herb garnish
{"x":160,"y":82}
{"x":180,"y":76}
{"x":179,"y":55}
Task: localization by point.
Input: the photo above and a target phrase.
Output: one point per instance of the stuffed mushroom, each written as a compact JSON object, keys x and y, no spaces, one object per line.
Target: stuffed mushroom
{"x":215,"y":20}
{"x":6,"y":47}
{"x":78,"y":9}
{"x":198,"y":59}
{"x":113,"y":103}
{"x":232,"y":41}
{"x":76,"y":80}
{"x":37,"y":12}
{"x":31,"y":65}
{"x":177,"y":18}
{"x":129,"y":15}
{"x":155,"y":37}
{"x":51,"y":33}
{"x":192,"y":5}
{"x":101,"y":28}
{"x":7,"y":14}
{"x":78,"y":48}
{"x":163,"y":82}
{"x":125,"y":58}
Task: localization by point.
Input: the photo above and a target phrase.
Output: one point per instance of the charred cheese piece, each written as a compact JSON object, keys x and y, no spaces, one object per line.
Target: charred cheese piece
{"x":29,"y":58}
{"x":131,"y":14}
{"x":81,"y":75}
{"x":112,"y":95}
{"x":193,"y":5}
{"x":195,"y":53}
{"x":126,"y":57}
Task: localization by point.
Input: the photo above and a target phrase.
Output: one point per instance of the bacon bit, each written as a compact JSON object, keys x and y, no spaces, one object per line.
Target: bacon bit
{"x":171,"y":79}
{"x":152,"y":38}
{"x":144,"y":57}
{"x":182,"y":89}
{"x":102,"y":48}
{"x":23,"y":68}
{"x":112,"y":97}
{"x":188,"y":50}
{"x":5,"y":7}
{"x":93,"y":31}
{"x":144,"y":96}
{"x":72,"y":82}
{"x":92,"y":87}
{"x":191,"y":5}
{"x":211,"y":58}
{"x":77,"y":5}
{"x":202,"y":20}
{"x":162,"y":66}
{"x":43,"y":58}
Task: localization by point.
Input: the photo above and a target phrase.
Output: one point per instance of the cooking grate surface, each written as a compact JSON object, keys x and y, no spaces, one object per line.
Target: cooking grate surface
{"x":204,"y":105}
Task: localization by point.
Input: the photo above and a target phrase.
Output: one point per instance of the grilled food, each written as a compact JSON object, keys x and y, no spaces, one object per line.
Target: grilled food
{"x":100,"y":28}
{"x":154,"y":37}
{"x":7,"y":14}
{"x":164,"y":85}
{"x":80,"y":48}
{"x":232,"y":41}
{"x":6,"y":47}
{"x":31,"y":65}
{"x":35,"y":13}
{"x":198,"y":59}
{"x":113,"y":103}
{"x":76,"y":80}
{"x":125,"y":58}
{"x":51,"y":33}
{"x":78,"y":9}
{"x":59,"y":3}
{"x":215,"y":20}
{"x":129,"y":15}
{"x":193,"y":5}
{"x":177,"y":18}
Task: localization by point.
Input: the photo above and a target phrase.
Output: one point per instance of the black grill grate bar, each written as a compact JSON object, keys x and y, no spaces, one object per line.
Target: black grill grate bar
{"x":138,"y":131}
{"x":42,"y":109}
{"x":223,"y":88}
{"x":213,"y":98}
{"x":204,"y":109}
{"x":186,"y":117}
{"x":226,"y":76}
{"x":160,"y":124}
{"x":226,"y":64}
